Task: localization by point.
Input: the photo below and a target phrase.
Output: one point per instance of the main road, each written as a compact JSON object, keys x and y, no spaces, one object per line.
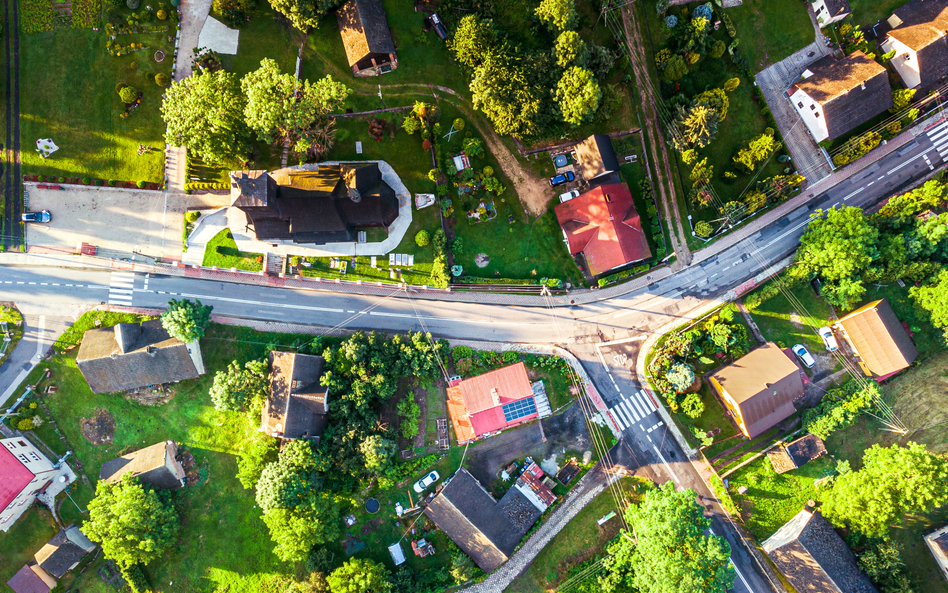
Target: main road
{"x":51,"y":291}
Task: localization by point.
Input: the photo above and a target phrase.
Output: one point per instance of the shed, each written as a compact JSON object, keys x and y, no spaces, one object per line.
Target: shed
{"x":398,"y":556}
{"x":366,"y":37}
{"x":877,"y":336}
{"x":156,"y":466}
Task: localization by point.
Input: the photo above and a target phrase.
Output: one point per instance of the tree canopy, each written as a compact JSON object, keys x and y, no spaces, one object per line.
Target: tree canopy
{"x":578,"y":95}
{"x":186,"y":320}
{"x":672,"y":552}
{"x":359,"y":575}
{"x":893,"y":481}
{"x":132,"y":524}
{"x":501,"y":90}
{"x":473,"y":40}
{"x":933,"y":297}
{"x":236,"y":387}
{"x":570,"y":49}
{"x":204,"y":113}
{"x":304,"y":14}
{"x":559,"y":14}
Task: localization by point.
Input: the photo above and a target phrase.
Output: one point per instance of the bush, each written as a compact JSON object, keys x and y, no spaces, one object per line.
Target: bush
{"x":119,"y":86}
{"x":162,"y":15}
{"x":86,"y":181}
{"x":205,"y":185}
{"x":459,"y":352}
{"x":459,"y":124}
{"x":140,"y":184}
{"x":693,"y":407}
{"x":422,"y":238}
{"x":764,"y":293}
{"x":128,"y":95}
{"x":25,"y":423}
{"x":703,"y":229}
{"x":161,"y":79}
{"x":510,"y":356}
{"x":463,"y":366}
{"x":134,"y":575}
{"x":191,"y":216}
{"x":488,"y":171}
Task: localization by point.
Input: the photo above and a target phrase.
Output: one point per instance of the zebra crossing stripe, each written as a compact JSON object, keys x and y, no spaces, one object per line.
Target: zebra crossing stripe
{"x":630,"y":410}
{"x":619,"y":420}
{"x":648,"y":401}
{"x":938,"y":132}
{"x":621,"y":413}
{"x":638,"y":405}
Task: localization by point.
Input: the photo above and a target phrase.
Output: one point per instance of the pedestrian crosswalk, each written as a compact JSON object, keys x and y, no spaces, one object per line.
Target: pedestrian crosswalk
{"x":631,"y":410}
{"x":121,"y":286}
{"x":939,"y":137}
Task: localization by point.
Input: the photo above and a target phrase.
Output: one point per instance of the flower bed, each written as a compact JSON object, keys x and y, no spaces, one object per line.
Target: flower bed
{"x":93,"y":182}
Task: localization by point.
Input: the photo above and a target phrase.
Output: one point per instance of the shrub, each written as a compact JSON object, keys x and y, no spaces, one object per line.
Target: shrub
{"x":25,"y":423}
{"x":128,"y":95}
{"x":161,"y":79}
{"x":133,"y":65}
{"x":86,"y":181}
{"x":463,"y":366}
{"x":756,"y":299}
{"x":459,"y":352}
{"x":488,"y":171}
{"x":411,"y":124}
{"x":133,"y":4}
{"x":718,"y":49}
{"x":162,"y":15}
{"x":422,"y":238}
{"x":693,"y":407}
{"x":191,"y":216}
{"x":134,"y":575}
{"x":459,"y":124}
{"x":703,"y":229}
{"x":61,"y":180}
{"x":140,"y":184}
{"x":119,"y":86}
{"x":681,"y":376}
{"x":732,"y":83}
{"x":510,"y":356}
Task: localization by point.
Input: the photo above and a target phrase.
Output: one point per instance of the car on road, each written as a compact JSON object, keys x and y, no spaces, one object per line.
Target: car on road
{"x":562,"y":178}
{"x":573,"y":193}
{"x":804,"y":355}
{"x":41,"y":216}
{"x":828,"y":338}
{"x":422,"y":484}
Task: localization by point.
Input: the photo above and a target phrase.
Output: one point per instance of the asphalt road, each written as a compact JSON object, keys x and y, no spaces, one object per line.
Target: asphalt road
{"x":66,"y":291}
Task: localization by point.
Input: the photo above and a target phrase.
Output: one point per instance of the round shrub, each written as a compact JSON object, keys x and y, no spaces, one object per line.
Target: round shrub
{"x":128,"y":95}
{"x":161,"y":79}
{"x":61,"y":180}
{"x":141,"y":185}
{"x":25,"y":424}
{"x":86,"y":180}
{"x":692,"y":407}
{"x":133,"y":4}
{"x":192,"y":216}
{"x":112,"y":182}
{"x":459,"y":124}
{"x":162,"y":15}
{"x":488,"y":171}
{"x":703,"y":229}
{"x":119,"y":86}
{"x":422,"y":238}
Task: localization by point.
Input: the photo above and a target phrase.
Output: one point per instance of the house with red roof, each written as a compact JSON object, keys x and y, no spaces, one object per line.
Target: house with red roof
{"x":489,"y":403}
{"x":603,"y":228}
{"x":24,"y":473}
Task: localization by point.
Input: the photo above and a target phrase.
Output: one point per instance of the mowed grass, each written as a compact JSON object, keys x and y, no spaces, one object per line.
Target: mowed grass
{"x":221,"y":251}
{"x":772,"y":499}
{"x":67,"y":93}
{"x":582,"y":539}
{"x":18,"y":545}
{"x":868,"y":12}
{"x":771,"y":30}
{"x":224,"y":545}
{"x":773,"y":317}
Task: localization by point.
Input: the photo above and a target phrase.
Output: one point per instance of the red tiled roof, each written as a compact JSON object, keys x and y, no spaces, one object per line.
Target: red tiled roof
{"x":604,"y":225}
{"x":13,"y":477}
{"x":475,"y":405}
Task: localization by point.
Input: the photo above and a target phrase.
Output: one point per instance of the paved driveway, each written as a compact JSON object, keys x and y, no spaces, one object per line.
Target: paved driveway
{"x":146,"y":222}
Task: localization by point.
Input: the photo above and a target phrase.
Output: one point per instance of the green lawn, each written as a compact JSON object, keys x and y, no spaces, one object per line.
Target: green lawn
{"x":771,"y":30}
{"x":773,"y":317}
{"x":773,"y":499}
{"x":221,"y":251}
{"x":17,"y":546}
{"x":581,"y":540}
{"x":67,"y":93}
{"x":868,"y":12}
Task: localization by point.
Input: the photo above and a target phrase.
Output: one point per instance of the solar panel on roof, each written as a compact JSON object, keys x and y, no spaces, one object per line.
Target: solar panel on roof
{"x":519,"y":409}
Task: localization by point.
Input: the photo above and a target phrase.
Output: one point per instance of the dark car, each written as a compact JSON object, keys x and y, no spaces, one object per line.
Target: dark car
{"x":438,"y":26}
{"x":43,"y":216}
{"x":562,"y":178}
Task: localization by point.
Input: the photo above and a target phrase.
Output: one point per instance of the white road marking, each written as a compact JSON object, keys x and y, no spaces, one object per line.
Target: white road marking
{"x":743,"y":580}
{"x":802,"y":224}
{"x":854,"y":193}
{"x":668,"y":467}
{"x":643,"y":412}
{"x":630,"y":410}
{"x":906,"y":163}
{"x":646,"y":401}
{"x":619,"y":419}
{"x":649,"y":438}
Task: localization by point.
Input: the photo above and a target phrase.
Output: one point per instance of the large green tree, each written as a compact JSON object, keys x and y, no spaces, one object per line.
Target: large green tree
{"x":280,"y":107}
{"x":204,"y":113}
{"x":289,"y":481}
{"x":558,"y":14}
{"x":501,"y":89}
{"x":473,"y":40}
{"x":839,"y":245}
{"x":359,"y":575}
{"x":694,"y":126}
{"x":933,"y":297}
{"x":237,"y":387}
{"x":186,"y":320}
{"x":256,"y":452}
{"x":304,"y":14}
{"x":578,"y":95}
{"x":379,"y":454}
{"x":893,"y":481}
{"x":672,"y":552}
{"x":570,"y":49}
{"x":758,"y":150}
{"x":296,"y":531}
{"x":132,"y":524}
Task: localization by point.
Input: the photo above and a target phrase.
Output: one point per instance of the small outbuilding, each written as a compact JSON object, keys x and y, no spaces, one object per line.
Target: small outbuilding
{"x":398,"y":556}
{"x":879,"y":339}
{"x":28,"y":580}
{"x":596,"y":158}
{"x":366,"y":37}
{"x":63,"y":552}
{"x":805,"y":449}
{"x":830,"y":11}
{"x":157,"y":466}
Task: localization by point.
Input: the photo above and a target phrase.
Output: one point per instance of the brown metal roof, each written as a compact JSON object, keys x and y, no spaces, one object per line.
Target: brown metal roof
{"x":919,"y":23}
{"x":364,"y":29}
{"x":763,"y":385}
{"x":876,"y":334}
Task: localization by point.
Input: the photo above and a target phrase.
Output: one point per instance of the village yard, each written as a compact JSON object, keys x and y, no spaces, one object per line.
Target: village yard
{"x":781,"y":322}
{"x":771,"y":30}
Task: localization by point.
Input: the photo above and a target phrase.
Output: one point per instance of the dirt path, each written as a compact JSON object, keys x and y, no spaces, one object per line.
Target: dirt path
{"x":666,"y":187}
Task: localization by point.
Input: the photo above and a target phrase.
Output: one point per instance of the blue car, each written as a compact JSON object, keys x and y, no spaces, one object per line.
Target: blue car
{"x":562,"y":178}
{"x":43,"y":216}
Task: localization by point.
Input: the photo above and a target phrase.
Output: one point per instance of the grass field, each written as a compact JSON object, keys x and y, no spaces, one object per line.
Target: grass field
{"x":771,"y":30}
{"x":868,"y":12}
{"x":67,"y":93}
{"x":773,"y":317}
{"x":221,"y":251}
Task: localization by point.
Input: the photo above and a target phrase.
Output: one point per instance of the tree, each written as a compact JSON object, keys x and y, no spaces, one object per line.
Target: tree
{"x":359,"y":575}
{"x":501,"y":90}
{"x":234,"y":13}
{"x":280,"y":107}
{"x":933,"y":297}
{"x":703,"y":229}
{"x":411,"y":124}
{"x":893,"y":481}
{"x":204,"y":113}
{"x":462,"y":567}
{"x":379,"y":454}
{"x":409,"y":414}
{"x":718,"y":49}
{"x":131,"y":524}
{"x":577,"y":94}
{"x":296,"y":531}
{"x":701,"y":173}
{"x":186,"y":320}
{"x":715,"y":99}
{"x":473,"y":147}
{"x":289,"y":481}
{"x":128,"y":95}
{"x":901,"y":98}
{"x":422,"y":238}
{"x":838,"y":247}
{"x":673,"y":553}
{"x":758,"y":150}
{"x":558,"y":14}
{"x":694,"y":126}
{"x":304,"y":14}
{"x":681,"y":375}
{"x":570,"y":49}
{"x":472,"y":41}
{"x":439,"y":272}
{"x":675,"y":68}
{"x":256,"y":452}
{"x":236,"y":387}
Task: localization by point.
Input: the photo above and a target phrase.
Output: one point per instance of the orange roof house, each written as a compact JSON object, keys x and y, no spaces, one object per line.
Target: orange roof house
{"x":491,"y":402}
{"x":603,"y":226}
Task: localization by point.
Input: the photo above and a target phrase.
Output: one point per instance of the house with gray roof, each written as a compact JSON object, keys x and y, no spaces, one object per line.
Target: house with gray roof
{"x":64,"y":551}
{"x":157,"y":466}
{"x":366,"y":37}
{"x":31,"y":579}
{"x":919,"y":38}
{"x":597,"y":160}
{"x":132,"y":355}
{"x":297,"y":404}
{"x":814,"y":558}
{"x":834,"y":96}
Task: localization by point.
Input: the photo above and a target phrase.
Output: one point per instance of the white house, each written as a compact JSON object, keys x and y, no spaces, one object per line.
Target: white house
{"x":24,"y":473}
{"x":830,"y":11}
{"x":834,"y":96}
{"x":918,"y":37}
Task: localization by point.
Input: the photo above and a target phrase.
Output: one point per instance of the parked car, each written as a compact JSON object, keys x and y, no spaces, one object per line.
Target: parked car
{"x":425,"y":482}
{"x":438,"y":26}
{"x":569,"y":195}
{"x":42,"y":216}
{"x":828,"y":338}
{"x":562,"y":178}
{"x":805,"y":357}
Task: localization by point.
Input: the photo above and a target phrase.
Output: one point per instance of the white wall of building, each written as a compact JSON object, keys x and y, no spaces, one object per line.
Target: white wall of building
{"x":812,"y":114}
{"x":42,"y":470}
{"x":823,"y":16}
{"x":905,"y":61}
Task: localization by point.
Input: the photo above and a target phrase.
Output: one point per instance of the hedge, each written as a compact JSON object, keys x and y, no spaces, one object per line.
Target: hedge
{"x":605,"y":280}
{"x":205,"y":185}
{"x":477,"y":280}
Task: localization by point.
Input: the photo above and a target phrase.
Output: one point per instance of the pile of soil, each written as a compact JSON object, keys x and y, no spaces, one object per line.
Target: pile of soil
{"x":99,"y":429}
{"x":371,"y":526}
{"x":153,"y":397}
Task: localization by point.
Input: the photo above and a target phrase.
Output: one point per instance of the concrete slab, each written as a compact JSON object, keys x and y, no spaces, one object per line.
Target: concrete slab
{"x":216,"y":36}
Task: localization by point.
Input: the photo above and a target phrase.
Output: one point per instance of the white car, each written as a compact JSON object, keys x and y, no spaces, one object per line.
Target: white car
{"x":425,"y":482}
{"x":569,"y":195}
{"x":807,"y":358}
{"x":828,"y":338}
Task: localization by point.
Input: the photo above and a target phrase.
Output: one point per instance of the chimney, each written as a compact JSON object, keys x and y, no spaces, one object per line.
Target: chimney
{"x":863,"y":85}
